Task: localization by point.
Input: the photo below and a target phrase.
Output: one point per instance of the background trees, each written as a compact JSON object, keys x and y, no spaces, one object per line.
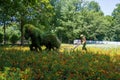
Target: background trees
{"x":116,"y":24}
{"x":67,"y":19}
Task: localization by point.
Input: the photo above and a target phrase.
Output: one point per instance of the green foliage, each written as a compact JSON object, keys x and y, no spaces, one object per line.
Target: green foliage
{"x":75,"y":65}
{"x":116,"y":19}
{"x":94,"y":6}
{"x":42,"y":15}
{"x":79,"y":17}
{"x":14,"y":38}
{"x":9,"y":31}
{"x":82,"y":17}
{"x":12,"y":34}
{"x":68,"y":19}
{"x":116,"y":13}
{"x":11,"y":73}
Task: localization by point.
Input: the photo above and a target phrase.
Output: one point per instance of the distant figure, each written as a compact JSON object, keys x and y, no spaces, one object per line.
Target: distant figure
{"x":83,"y":42}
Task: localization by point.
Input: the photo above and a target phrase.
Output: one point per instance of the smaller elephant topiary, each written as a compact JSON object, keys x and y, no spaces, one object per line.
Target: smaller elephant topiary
{"x":51,"y":41}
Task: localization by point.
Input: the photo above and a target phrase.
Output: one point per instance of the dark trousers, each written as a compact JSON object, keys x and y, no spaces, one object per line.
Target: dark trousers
{"x":84,"y":46}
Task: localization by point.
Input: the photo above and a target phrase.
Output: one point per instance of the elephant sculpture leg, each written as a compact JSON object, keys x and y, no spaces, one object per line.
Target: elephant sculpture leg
{"x":31,"y":47}
{"x":36,"y":48}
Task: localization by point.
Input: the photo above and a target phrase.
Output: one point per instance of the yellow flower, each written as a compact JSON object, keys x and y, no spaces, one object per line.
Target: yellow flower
{"x":44,"y":58}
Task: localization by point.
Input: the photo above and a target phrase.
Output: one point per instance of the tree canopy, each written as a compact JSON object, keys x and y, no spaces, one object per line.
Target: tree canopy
{"x":66,"y":18}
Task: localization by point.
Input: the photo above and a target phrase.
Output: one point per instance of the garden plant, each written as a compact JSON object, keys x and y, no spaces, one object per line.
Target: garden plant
{"x":19,"y":63}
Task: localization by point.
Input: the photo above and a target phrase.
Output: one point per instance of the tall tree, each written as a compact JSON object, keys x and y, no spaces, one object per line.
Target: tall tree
{"x":80,"y":17}
{"x":44,"y":14}
{"x":27,"y":11}
{"x":5,"y":15}
{"x":22,"y":10}
{"x":116,"y":14}
{"x":94,"y":6}
{"x":116,"y":17}
{"x":65,"y":18}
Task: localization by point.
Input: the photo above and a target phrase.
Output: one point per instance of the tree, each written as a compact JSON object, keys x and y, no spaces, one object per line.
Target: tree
{"x":77,"y":17}
{"x":44,"y":14}
{"x":4,"y":15}
{"x":116,"y":19}
{"x":26,"y":11}
{"x":65,"y":18}
{"x":110,"y":31}
{"x":94,"y":6}
{"x":116,"y":14}
{"x":21,"y":8}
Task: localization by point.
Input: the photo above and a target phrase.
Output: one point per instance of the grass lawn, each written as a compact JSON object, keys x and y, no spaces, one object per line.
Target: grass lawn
{"x":109,"y":49}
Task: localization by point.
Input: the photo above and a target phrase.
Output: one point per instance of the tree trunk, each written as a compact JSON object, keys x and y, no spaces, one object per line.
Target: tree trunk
{"x":4,"y":29}
{"x":21,"y":29}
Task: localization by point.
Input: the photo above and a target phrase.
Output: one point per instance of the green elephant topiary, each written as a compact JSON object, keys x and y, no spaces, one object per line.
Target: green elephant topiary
{"x":51,"y":41}
{"x":34,"y":34}
{"x":39,"y":39}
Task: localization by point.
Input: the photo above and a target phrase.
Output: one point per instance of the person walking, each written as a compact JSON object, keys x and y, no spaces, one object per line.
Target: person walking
{"x":83,"y":42}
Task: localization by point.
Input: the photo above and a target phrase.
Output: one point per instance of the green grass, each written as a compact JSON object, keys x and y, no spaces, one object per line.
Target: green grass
{"x":18,"y":63}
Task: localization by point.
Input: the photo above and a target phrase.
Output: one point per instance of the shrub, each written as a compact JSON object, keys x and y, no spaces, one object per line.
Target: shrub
{"x":14,"y":38}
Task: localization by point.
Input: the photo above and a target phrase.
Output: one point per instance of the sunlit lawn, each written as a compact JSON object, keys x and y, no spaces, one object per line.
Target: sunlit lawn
{"x":94,"y":48}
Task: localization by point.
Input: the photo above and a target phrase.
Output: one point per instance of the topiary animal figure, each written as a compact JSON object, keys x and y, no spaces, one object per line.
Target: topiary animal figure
{"x":50,"y":41}
{"x":34,"y":34}
{"x":38,"y":39}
